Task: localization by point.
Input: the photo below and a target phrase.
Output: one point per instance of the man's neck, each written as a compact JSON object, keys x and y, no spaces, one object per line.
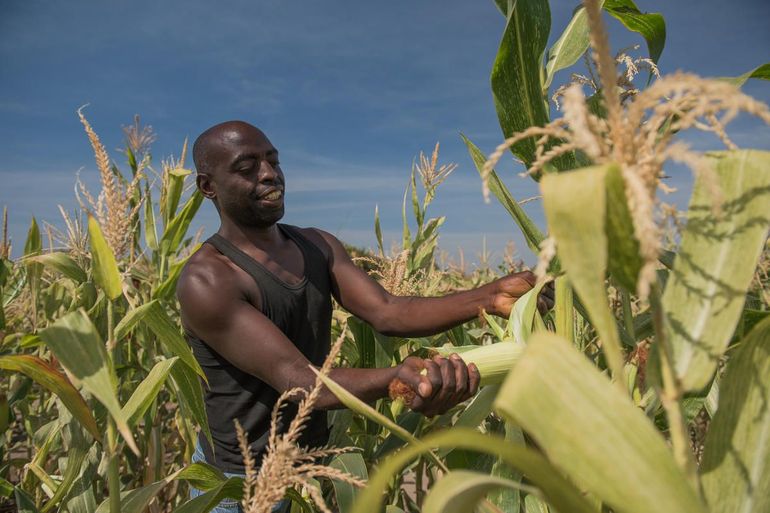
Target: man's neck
{"x":261,"y":237}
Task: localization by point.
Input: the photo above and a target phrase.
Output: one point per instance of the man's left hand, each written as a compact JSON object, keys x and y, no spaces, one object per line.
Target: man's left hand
{"x":506,"y":291}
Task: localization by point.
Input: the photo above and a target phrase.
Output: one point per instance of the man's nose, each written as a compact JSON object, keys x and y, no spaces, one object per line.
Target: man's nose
{"x":267,"y":171}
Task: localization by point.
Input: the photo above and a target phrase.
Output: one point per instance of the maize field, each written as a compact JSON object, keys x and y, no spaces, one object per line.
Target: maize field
{"x":645,"y":389}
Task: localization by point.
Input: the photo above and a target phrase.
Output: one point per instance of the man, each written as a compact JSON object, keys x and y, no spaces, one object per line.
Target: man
{"x":256,"y":305}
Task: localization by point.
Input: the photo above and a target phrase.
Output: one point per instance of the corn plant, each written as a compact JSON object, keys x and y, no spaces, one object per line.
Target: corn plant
{"x":101,"y":395}
{"x":607,"y":422}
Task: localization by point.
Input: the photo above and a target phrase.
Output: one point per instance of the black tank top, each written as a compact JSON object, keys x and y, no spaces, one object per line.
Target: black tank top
{"x":303,"y":313}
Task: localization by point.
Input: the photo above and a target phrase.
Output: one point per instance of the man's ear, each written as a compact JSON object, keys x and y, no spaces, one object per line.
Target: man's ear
{"x":206,"y":186}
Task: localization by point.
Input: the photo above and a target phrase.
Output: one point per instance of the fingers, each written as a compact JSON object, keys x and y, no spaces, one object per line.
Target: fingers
{"x":474,"y":380}
{"x":461,"y":378}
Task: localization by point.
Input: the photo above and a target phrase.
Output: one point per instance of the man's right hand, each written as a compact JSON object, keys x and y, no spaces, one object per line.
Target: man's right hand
{"x":439,"y":383}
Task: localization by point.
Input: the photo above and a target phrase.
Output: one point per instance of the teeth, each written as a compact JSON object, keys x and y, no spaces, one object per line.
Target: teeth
{"x":272,"y":196}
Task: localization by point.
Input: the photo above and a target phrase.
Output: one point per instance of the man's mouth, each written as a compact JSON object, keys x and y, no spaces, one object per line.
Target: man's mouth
{"x":272,"y":195}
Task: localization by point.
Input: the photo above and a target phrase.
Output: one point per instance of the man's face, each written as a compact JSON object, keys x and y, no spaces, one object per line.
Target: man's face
{"x":246,"y":179}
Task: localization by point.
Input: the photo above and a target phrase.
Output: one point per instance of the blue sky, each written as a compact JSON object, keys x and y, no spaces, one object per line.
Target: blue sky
{"x":349,"y":92}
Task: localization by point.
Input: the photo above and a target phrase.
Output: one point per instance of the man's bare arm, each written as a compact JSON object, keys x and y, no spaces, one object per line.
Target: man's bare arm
{"x":214,"y":309}
{"x":418,"y":316}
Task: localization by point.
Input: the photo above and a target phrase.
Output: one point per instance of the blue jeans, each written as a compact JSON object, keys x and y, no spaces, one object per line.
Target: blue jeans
{"x":227,"y":505}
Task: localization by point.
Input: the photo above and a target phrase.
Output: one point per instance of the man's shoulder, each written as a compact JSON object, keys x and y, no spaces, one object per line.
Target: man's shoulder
{"x":318,"y":237}
{"x":206,"y":268}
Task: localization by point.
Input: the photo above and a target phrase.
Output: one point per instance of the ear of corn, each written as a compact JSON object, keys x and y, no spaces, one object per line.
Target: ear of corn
{"x":493,"y":362}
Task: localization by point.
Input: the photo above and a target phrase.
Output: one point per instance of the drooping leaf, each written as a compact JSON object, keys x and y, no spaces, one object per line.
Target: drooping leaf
{"x":190,"y":397}
{"x":736,"y":461}
{"x":73,"y":339}
{"x":651,"y":26}
{"x":232,"y":488}
{"x":460,"y":491}
{"x":63,"y":263}
{"x":570,"y":46}
{"x":715,"y":264}
{"x":761,"y":72}
{"x":105,"y":268}
{"x":532,"y":234}
{"x":137,"y":500}
{"x":575,"y":207}
{"x":517,"y":72}
{"x":555,"y":392}
{"x":560,"y":492}
{"x":202,"y":476}
{"x":352,"y":463}
{"x":146,"y":392}
{"x":44,"y":374}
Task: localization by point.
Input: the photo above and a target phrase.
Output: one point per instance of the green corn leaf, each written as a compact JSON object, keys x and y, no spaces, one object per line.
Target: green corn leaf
{"x":105,"y":268}
{"x":523,"y":314}
{"x":24,"y":503}
{"x":75,"y":456}
{"x":150,"y":227}
{"x":33,"y":246}
{"x":378,"y":230}
{"x":560,"y":492}
{"x":232,"y":488}
{"x":624,"y":260}
{"x":532,"y":504}
{"x":418,"y":213}
{"x":157,"y":320}
{"x":570,"y":46}
{"x":34,"y":243}
{"x":555,"y":392}
{"x":736,"y":461}
{"x":6,"y":488}
{"x":564,"y":318}
{"x":460,"y":491}
{"x":73,"y":339}
{"x":532,"y":234}
{"x":168,"y":287}
{"x":137,"y":500}
{"x":202,"y":476}
{"x":44,"y":374}
{"x":177,"y":228}
{"x":406,"y":236}
{"x":62,"y":263}
{"x":651,"y":26}
{"x":575,"y":209}
{"x":175,"y":184}
{"x":516,"y":73}
{"x":760,"y":72}
{"x":706,"y":291}
{"x":352,"y":463}
{"x":190,"y":396}
{"x":146,"y":392}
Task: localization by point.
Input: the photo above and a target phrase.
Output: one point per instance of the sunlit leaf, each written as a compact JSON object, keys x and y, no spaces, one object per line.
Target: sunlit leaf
{"x":715,"y":264}
{"x":73,"y":339}
{"x":62,"y":263}
{"x":736,"y":461}
{"x":760,"y":72}
{"x":555,"y":392}
{"x":532,"y":234}
{"x":351,"y":463}
{"x":44,"y":374}
{"x":105,"y":268}
{"x":459,"y":491}
{"x":570,"y":46}
{"x":516,"y":73}
{"x":146,"y":391}
{"x":575,"y":207}
{"x":561,"y":493}
{"x":232,"y":488}
{"x":177,"y":228}
{"x":651,"y":26}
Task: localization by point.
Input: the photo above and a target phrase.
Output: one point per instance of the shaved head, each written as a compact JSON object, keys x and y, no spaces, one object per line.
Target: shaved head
{"x":209,"y":146}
